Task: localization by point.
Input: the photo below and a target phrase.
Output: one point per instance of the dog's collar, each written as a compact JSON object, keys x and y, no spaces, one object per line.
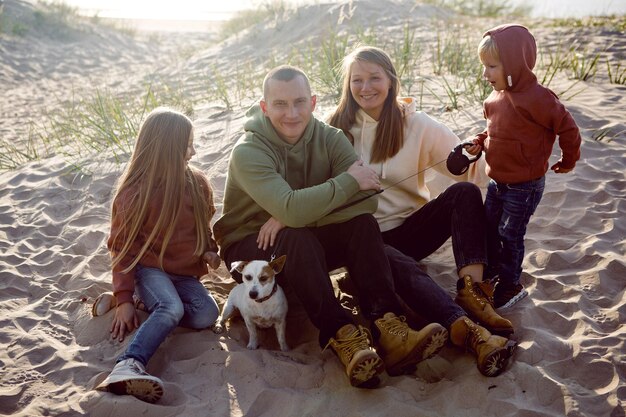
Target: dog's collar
{"x":267,"y":297}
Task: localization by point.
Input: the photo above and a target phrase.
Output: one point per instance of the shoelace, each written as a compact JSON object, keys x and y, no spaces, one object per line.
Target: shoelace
{"x":396,"y":326}
{"x":137,"y":369}
{"x":473,"y":338}
{"x":351,"y":344}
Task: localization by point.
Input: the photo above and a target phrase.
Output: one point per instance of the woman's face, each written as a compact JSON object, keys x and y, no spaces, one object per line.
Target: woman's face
{"x":369,"y":85}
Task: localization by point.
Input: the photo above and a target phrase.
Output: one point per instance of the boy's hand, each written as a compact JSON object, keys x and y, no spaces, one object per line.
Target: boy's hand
{"x":124,"y":321}
{"x":212,"y":258}
{"x":474,"y":149}
{"x":559,"y":169}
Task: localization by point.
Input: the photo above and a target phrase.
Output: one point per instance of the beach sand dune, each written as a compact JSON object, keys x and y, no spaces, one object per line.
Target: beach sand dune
{"x":571,"y":359}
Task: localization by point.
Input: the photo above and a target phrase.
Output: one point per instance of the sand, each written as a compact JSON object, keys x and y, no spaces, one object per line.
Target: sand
{"x":571,"y":359}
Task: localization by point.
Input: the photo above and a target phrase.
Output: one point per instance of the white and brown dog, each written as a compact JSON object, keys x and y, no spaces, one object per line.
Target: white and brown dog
{"x":259,"y":299}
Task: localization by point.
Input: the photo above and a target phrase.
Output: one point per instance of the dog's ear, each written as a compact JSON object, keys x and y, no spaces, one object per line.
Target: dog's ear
{"x":238,"y":266}
{"x":277,"y":264}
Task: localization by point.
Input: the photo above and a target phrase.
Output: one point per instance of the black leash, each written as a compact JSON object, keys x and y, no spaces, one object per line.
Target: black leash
{"x":456,"y":162}
{"x":352,"y":203}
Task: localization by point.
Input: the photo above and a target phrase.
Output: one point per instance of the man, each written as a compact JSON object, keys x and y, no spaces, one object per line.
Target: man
{"x":287,"y":175}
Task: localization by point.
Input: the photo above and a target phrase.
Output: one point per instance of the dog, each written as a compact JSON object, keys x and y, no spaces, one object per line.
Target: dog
{"x":259,"y":299}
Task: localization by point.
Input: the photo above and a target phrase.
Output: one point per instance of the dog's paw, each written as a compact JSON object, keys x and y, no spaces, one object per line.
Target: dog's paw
{"x":284,"y":348}
{"x":253,"y":346}
{"x":218,"y":328}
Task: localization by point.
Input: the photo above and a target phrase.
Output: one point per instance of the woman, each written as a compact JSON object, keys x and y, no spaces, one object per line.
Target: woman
{"x":398,"y":142}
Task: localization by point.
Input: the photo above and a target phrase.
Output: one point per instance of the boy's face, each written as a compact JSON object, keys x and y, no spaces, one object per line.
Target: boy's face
{"x":493,"y":72}
{"x":289,"y":106}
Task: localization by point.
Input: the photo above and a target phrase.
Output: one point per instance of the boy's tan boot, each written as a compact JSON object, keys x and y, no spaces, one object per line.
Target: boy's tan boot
{"x":492,"y":352}
{"x":353,"y":346}
{"x":476,"y":298}
{"x":402,"y":347}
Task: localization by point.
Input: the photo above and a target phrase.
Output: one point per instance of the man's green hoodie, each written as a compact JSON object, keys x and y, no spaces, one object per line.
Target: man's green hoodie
{"x":299,"y":185}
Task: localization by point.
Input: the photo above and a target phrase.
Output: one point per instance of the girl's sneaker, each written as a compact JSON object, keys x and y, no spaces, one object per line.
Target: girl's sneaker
{"x":506,"y":295}
{"x":129,"y":377}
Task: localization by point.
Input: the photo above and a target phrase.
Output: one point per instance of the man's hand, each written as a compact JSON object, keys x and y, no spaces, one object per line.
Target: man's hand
{"x":268,"y":232}
{"x":124,"y":321}
{"x":365,"y":176}
{"x":559,"y":169}
{"x":212,"y":258}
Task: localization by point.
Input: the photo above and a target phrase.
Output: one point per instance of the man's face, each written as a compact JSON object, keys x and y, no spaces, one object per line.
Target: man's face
{"x":289,"y":106}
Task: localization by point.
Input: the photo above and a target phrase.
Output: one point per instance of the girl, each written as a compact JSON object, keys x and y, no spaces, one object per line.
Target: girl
{"x":398,"y":142}
{"x":160,"y":245}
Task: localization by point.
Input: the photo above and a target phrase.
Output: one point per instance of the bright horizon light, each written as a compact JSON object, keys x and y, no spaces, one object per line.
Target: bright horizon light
{"x":224,"y":9}
{"x":162,"y":9}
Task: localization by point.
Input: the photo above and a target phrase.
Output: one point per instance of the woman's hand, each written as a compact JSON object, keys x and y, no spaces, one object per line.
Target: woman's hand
{"x":365,"y":176}
{"x":268,"y":232}
{"x":212,"y":258}
{"x":124,"y":321}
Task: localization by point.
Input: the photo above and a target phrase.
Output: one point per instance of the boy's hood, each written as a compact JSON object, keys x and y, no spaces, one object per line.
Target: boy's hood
{"x":518,"y":54}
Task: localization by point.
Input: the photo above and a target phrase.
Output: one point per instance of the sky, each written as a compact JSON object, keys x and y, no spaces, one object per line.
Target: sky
{"x":223,"y":9}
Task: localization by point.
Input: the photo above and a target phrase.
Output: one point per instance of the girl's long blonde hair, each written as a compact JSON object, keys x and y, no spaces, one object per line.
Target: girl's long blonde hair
{"x":158,"y":165}
{"x":390,"y":130}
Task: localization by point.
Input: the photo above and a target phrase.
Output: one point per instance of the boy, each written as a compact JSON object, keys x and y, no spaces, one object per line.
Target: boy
{"x":523,"y":120}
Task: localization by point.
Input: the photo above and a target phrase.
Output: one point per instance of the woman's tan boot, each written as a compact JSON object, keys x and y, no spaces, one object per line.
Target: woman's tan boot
{"x":476,"y":298}
{"x":492,"y":352}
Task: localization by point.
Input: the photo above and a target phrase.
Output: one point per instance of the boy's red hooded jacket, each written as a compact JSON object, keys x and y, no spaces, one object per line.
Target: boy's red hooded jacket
{"x":524,"y":119}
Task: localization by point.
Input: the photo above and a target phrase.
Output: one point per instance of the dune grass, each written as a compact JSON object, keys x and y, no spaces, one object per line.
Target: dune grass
{"x":443,"y":73}
{"x":100,"y":123}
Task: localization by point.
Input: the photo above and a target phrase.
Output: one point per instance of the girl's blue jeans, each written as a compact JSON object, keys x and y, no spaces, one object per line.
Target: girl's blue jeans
{"x":171,"y":300}
{"x":508,"y":208}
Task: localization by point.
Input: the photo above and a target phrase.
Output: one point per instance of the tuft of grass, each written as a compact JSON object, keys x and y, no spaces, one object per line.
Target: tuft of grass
{"x":617,"y":74}
{"x":482,"y":8}
{"x":333,"y":49}
{"x":407,"y":55}
{"x":247,"y":18}
{"x":615,"y":23}
{"x":57,"y":19}
{"x":454,"y":53}
{"x":606,"y":134}
{"x":551,"y":62}
{"x":101,"y":123}
{"x":14,"y":156}
{"x":583,"y":67}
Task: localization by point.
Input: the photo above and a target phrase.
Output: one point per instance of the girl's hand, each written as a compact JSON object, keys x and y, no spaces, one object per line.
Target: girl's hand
{"x":213,"y":259}
{"x":124,"y":321}
{"x":268,"y":232}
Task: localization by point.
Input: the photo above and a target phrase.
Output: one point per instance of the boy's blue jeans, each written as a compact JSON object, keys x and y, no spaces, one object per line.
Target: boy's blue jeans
{"x":171,"y":300}
{"x":508,"y":208}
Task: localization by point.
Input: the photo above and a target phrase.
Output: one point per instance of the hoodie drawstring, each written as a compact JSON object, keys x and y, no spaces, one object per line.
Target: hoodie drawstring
{"x":383,"y":171}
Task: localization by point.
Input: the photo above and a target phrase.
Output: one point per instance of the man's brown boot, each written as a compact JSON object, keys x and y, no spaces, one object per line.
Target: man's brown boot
{"x":492,"y":352}
{"x":476,"y":298}
{"x":353,"y":346}
{"x":402,"y":347}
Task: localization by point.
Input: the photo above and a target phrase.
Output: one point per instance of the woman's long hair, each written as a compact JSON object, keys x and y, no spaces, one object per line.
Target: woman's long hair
{"x":158,"y":165}
{"x":390,"y":129}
